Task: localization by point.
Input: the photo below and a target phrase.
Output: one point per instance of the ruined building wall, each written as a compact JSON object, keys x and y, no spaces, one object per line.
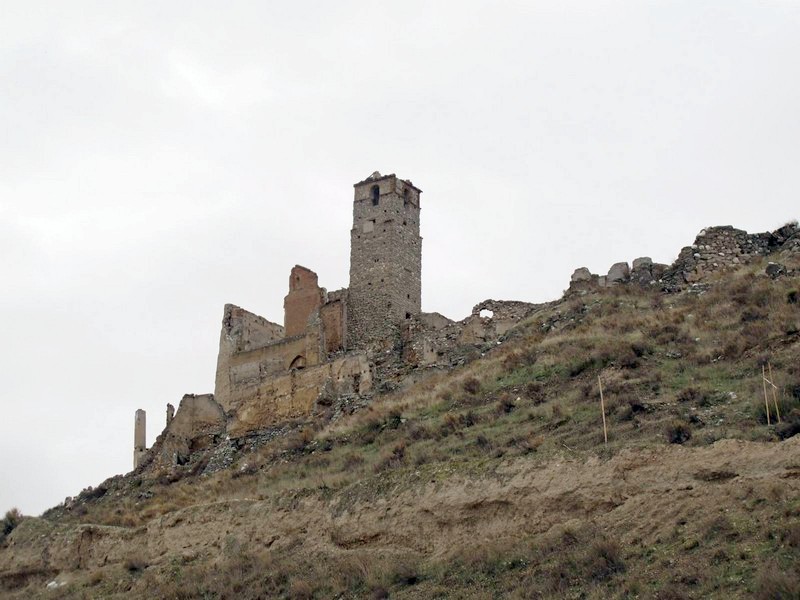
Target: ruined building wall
{"x":333,"y":317}
{"x":719,"y":248}
{"x":385,"y":260}
{"x":304,"y":298}
{"x":242,"y":331}
{"x":261,"y":404}
{"x":715,"y":249}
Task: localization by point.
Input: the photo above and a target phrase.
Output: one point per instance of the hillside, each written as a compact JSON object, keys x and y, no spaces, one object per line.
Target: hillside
{"x":490,"y":479}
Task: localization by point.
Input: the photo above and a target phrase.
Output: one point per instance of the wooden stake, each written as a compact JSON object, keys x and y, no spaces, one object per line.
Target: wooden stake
{"x":766,"y":401}
{"x":774,"y":395}
{"x":603,"y":410}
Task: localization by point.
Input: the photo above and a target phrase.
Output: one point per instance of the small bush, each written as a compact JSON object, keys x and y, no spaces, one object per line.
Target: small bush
{"x":352,"y":461}
{"x":10,"y":522}
{"x":690,"y":394}
{"x":526,"y":444}
{"x":603,"y":559}
{"x":455,"y":422}
{"x":396,"y":458}
{"x":535,"y":391}
{"x":505,"y":405}
{"x":790,"y":426}
{"x":787,"y":407}
{"x":483,"y":442}
{"x":135,"y":564}
{"x":472,"y":386}
{"x":678,"y":432}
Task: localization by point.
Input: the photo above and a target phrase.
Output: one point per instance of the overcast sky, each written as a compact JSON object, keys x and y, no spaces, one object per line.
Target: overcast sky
{"x":159,"y":159}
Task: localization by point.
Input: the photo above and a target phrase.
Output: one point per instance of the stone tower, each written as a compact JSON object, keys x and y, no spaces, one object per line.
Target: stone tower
{"x":385,"y":260}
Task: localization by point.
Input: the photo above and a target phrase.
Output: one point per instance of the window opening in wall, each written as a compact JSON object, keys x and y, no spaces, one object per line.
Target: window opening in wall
{"x":299,"y":362}
{"x":408,"y":315}
{"x":486,"y":313}
{"x":405,"y":197}
{"x":376,"y":195}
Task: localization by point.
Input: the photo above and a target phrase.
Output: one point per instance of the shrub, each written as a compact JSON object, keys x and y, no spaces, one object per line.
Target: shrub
{"x":690,"y":394}
{"x":135,"y":564}
{"x":678,"y":432}
{"x":352,"y":461}
{"x":483,"y":442}
{"x":10,"y":522}
{"x":472,"y":385}
{"x":787,"y":407}
{"x":535,"y":391}
{"x":455,"y":422}
{"x":632,"y":405}
{"x":526,"y":444}
{"x":393,"y":460}
{"x":790,"y":425}
{"x":603,"y":559}
{"x":505,"y":405}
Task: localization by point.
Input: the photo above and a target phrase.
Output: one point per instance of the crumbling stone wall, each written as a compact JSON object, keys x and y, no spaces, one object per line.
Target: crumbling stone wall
{"x":333,"y":317}
{"x":304,"y":298}
{"x":295,"y":394}
{"x":433,"y":340}
{"x":242,"y":331}
{"x":719,"y":248}
{"x":385,"y":260}
{"x":714,"y":249}
{"x":198,"y":424}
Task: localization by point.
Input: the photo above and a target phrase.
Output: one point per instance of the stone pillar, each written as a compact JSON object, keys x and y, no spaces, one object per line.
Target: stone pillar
{"x":139,"y":437}
{"x":170,"y":413}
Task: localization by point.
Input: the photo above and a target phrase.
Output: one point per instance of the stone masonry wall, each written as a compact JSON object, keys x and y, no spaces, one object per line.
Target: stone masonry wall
{"x":304,"y":298}
{"x":719,"y":248}
{"x":385,"y":260}
{"x":242,"y":331}
{"x":333,"y":317}
{"x":714,"y":249}
{"x":264,"y":403}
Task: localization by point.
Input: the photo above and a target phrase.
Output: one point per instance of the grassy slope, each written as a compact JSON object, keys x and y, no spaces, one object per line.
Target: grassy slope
{"x":675,"y":368}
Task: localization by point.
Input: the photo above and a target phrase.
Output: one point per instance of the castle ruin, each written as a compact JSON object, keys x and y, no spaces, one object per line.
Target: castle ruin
{"x":334,"y":348}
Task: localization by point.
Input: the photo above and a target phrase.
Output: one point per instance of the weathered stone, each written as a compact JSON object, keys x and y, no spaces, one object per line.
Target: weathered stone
{"x":581,"y":274}
{"x":619,"y":273}
{"x":643,"y":262}
{"x":304,"y":298}
{"x":775,"y":270}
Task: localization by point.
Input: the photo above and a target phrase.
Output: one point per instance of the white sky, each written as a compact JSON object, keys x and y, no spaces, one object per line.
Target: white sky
{"x":159,"y":159}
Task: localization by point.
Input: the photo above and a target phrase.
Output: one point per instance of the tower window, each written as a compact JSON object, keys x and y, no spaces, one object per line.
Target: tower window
{"x":405,"y":197}
{"x":408,"y":315}
{"x":376,"y":195}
